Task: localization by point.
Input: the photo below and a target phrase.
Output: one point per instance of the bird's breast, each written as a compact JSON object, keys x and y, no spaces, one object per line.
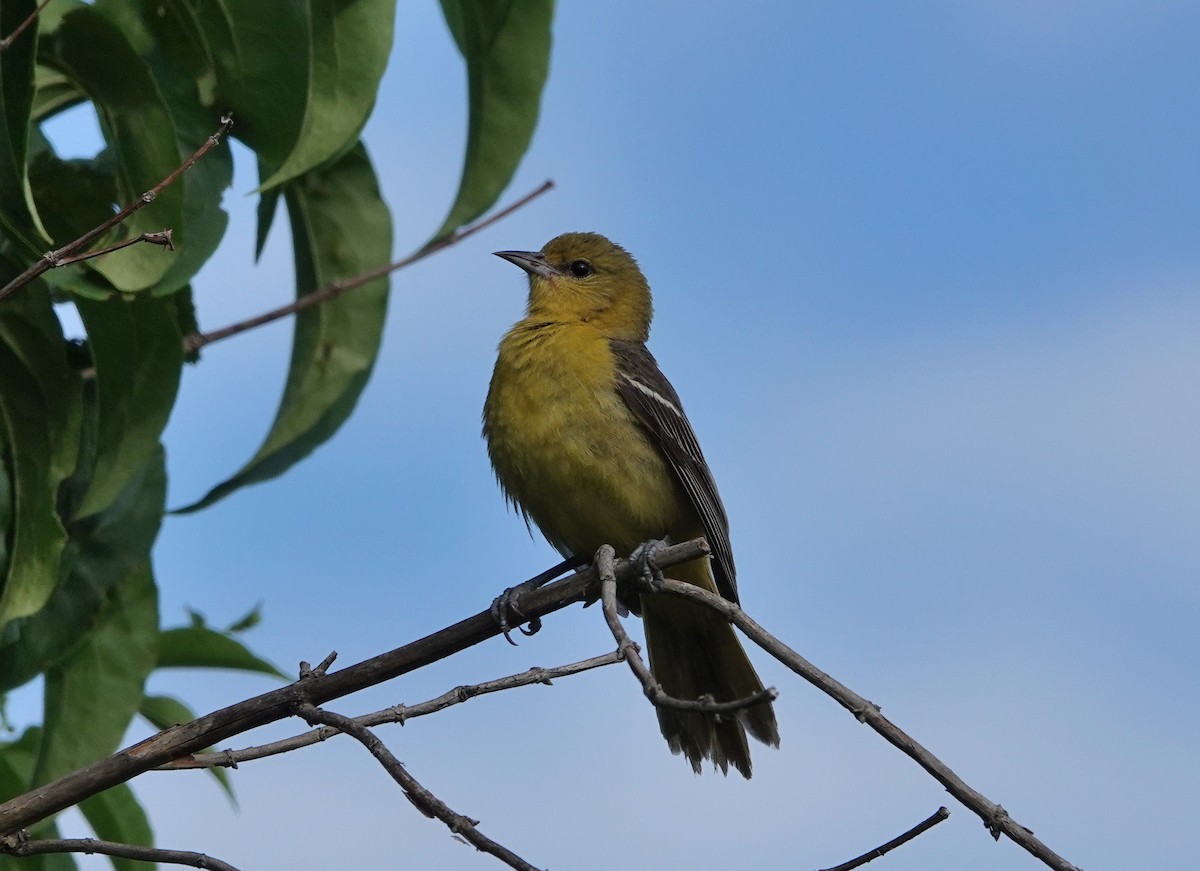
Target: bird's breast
{"x":568,"y":450}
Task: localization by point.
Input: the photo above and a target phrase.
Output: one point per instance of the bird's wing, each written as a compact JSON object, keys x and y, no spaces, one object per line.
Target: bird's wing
{"x":654,"y":401}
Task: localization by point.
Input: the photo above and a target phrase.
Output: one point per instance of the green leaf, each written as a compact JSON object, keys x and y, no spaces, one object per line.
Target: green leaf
{"x":138,"y":126}
{"x":163,"y":712}
{"x":506,"y":46}
{"x":349,"y":44}
{"x":251,"y":619}
{"x":73,"y":196}
{"x":260,"y":53}
{"x":39,"y":439}
{"x":17,"y":215}
{"x":167,"y":34}
{"x":201,"y":647}
{"x":300,"y":77}
{"x":17,"y":759}
{"x":116,"y":815}
{"x":268,"y":204}
{"x":138,"y":352}
{"x":103,"y":550}
{"x":53,"y":93}
{"x":340,"y":228}
{"x":91,"y":697}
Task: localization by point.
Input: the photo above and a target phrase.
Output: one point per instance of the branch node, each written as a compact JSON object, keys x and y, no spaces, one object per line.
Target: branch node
{"x":307,"y":672}
{"x":864,"y":712}
{"x":994,"y":822}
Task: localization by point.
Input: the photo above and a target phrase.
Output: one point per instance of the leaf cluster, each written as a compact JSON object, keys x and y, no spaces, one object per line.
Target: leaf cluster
{"x":82,"y":476}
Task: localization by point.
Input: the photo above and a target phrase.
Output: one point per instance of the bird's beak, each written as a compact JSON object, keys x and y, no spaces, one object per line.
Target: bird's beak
{"x":533,"y":262}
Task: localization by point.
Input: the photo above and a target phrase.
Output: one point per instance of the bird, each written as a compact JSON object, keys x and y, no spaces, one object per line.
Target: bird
{"x":589,"y":441}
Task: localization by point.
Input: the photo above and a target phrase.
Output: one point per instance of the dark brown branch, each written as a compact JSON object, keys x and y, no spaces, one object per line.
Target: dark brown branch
{"x":424,"y":800}
{"x":921,"y":827}
{"x":22,"y":27}
{"x":60,"y":256}
{"x":396,"y":714}
{"x":994,"y":817}
{"x":606,"y":571}
{"x":195,"y":341}
{"x":21,"y":846}
{"x":218,"y":726}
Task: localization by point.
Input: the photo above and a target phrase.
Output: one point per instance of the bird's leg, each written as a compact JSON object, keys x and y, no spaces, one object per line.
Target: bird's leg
{"x":507,"y":601}
{"x":644,"y":556}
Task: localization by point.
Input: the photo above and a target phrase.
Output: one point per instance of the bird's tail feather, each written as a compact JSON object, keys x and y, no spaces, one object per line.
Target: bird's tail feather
{"x":694,"y":652}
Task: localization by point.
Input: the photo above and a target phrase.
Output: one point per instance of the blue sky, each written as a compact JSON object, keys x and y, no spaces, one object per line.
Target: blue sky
{"x":925,"y":277}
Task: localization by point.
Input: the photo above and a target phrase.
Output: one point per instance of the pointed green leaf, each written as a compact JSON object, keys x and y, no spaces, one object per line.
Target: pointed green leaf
{"x":251,"y":619}
{"x":17,"y":759}
{"x":163,"y":712}
{"x":268,"y":204}
{"x":91,"y":697}
{"x":38,"y":443}
{"x":53,"y":93}
{"x":116,"y":815}
{"x":73,"y":196}
{"x":340,"y":228}
{"x":138,"y":352}
{"x":260,"y":52}
{"x":348,"y":51}
{"x":138,"y":126}
{"x":201,"y":647}
{"x":103,"y":550}
{"x":506,"y":46}
{"x":17,"y":217}
{"x":168,"y":36}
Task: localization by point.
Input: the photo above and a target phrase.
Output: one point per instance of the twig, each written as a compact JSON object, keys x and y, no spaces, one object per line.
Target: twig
{"x":20,"y":28}
{"x":161,"y":237}
{"x":307,"y":672}
{"x":921,"y":827}
{"x":21,"y":846}
{"x":994,"y":817}
{"x":62,"y":255}
{"x":396,"y":714}
{"x":122,"y":766}
{"x":195,"y":341}
{"x":629,"y":651}
{"x":424,"y":800}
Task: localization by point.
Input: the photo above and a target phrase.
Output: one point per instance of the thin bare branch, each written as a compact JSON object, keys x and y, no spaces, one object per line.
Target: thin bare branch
{"x":216,"y":727}
{"x":63,"y":255}
{"x":195,"y":341}
{"x":424,"y":800}
{"x":161,"y":237}
{"x":994,"y":817}
{"x":21,"y":846}
{"x":22,"y":27}
{"x":395,"y":714}
{"x":629,"y":651}
{"x":921,"y":827}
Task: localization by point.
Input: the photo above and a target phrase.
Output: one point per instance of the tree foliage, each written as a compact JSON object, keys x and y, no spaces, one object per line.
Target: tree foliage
{"x":82,"y":474}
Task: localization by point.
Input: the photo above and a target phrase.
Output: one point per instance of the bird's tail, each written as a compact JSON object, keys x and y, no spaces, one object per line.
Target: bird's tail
{"x":693,"y":653}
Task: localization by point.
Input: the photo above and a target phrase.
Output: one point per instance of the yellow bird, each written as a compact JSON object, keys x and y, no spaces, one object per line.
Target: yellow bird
{"x":589,"y":440}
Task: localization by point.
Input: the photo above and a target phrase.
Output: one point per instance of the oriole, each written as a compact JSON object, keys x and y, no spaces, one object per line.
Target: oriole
{"x":589,"y":440}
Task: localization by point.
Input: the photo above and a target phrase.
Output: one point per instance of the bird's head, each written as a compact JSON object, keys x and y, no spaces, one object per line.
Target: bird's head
{"x":583,"y":277}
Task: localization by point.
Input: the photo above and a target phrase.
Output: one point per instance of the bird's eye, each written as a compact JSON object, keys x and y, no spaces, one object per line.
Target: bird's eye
{"x":581,"y":268}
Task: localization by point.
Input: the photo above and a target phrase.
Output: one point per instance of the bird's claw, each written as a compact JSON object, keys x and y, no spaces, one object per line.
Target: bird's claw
{"x":644,"y":556}
{"x":506,"y":602}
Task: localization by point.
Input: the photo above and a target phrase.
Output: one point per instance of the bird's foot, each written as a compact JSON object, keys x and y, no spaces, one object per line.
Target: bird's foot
{"x":643,"y":555}
{"x":506,"y":602}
